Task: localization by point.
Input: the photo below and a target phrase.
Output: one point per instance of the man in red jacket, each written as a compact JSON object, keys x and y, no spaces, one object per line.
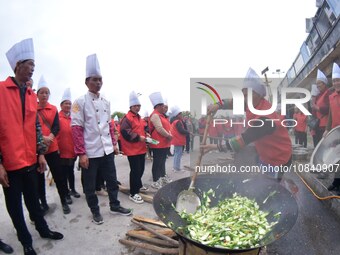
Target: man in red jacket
{"x":19,"y":133}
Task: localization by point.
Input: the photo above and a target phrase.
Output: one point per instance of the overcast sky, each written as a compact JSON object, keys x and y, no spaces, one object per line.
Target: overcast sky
{"x":152,"y":45}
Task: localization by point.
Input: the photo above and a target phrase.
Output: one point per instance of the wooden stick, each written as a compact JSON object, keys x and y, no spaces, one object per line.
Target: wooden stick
{"x":148,"y":220}
{"x":166,"y":238}
{"x":164,"y":231}
{"x":151,"y":240}
{"x":150,"y":247}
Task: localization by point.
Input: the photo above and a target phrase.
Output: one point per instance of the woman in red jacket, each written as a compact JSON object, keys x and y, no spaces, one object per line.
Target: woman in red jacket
{"x":49,"y":120}
{"x":65,"y":143}
{"x":134,"y":146}
{"x":179,"y":134}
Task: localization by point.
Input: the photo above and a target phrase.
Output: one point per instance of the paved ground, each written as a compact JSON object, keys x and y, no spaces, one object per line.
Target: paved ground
{"x":317,"y":230}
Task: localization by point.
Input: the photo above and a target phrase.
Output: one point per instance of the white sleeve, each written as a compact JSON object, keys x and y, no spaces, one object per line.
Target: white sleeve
{"x":77,"y":112}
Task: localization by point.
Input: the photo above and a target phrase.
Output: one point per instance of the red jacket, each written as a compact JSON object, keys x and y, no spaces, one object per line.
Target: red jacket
{"x":163,"y":141}
{"x":48,"y":112}
{"x":133,"y":125}
{"x":178,"y":139}
{"x":64,"y":137}
{"x":274,"y":149}
{"x":334,"y":101}
{"x":322,"y":101}
{"x":18,"y":141}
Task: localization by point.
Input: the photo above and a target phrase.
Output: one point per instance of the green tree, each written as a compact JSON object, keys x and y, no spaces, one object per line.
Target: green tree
{"x":120,"y":115}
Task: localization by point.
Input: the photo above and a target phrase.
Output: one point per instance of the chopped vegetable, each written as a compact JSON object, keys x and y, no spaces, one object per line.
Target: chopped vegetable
{"x":235,"y":223}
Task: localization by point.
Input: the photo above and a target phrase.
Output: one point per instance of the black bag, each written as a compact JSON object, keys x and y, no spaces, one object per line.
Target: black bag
{"x":313,"y":122}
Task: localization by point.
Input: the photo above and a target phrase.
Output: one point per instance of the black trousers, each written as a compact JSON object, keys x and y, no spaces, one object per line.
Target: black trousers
{"x":24,"y":182}
{"x":59,"y":176}
{"x":137,"y":165}
{"x":158,"y":164}
{"x":106,"y":167}
{"x":302,"y":138}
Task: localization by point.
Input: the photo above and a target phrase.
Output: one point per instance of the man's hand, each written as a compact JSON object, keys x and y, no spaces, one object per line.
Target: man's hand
{"x":3,"y":177}
{"x":41,"y":164}
{"x":212,"y":109}
{"x":142,"y":138}
{"x":84,"y":161}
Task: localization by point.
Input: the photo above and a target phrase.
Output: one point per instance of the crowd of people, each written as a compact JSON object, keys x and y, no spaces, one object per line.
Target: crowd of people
{"x":34,"y":135}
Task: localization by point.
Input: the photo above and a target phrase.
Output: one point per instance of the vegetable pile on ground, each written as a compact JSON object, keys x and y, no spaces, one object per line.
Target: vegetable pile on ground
{"x":235,"y":223}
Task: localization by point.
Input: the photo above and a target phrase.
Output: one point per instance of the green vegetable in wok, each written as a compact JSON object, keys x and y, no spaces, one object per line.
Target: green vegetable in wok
{"x":235,"y":223}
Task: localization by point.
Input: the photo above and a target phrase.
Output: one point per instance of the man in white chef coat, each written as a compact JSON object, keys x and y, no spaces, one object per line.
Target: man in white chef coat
{"x":94,"y":141}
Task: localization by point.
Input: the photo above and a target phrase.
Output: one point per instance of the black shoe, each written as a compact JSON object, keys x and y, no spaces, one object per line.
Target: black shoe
{"x":52,"y":235}
{"x":68,"y":199}
{"x":97,"y":218}
{"x":5,"y":248}
{"x":28,"y":250}
{"x":44,"y":207}
{"x":74,"y":193}
{"x":66,"y":208}
{"x":332,"y":187}
{"x":121,"y":210}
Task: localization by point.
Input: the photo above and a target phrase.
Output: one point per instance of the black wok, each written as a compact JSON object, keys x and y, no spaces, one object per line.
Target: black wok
{"x":225,"y":185}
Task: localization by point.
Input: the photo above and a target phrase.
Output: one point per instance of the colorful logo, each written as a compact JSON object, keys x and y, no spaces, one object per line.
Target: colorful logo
{"x":209,"y":92}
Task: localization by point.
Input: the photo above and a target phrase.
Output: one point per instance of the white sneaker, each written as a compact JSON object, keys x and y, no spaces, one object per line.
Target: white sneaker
{"x":158,"y":184}
{"x":143,"y":189}
{"x":136,"y":198}
{"x":166,"y":179}
{"x":102,"y":193}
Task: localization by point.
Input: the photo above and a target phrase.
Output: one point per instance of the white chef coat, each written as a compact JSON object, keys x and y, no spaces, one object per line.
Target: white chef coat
{"x":93,"y":113}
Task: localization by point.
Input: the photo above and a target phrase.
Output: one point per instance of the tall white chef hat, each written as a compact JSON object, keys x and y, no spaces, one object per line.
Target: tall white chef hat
{"x":175,"y":110}
{"x":42,"y":83}
{"x":20,"y":51}
{"x":133,"y":99}
{"x":335,"y":71}
{"x":156,"y":98}
{"x":252,"y":80}
{"x":321,"y":77}
{"x":66,"y":95}
{"x":92,"y":66}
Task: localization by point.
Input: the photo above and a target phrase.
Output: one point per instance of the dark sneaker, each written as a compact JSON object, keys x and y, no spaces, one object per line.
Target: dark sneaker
{"x":66,"y":208}
{"x":97,"y":218}
{"x":121,"y":210}
{"x":28,"y":250}
{"x":68,"y":199}
{"x":52,"y":235}
{"x":74,"y":193}
{"x":44,"y":207}
{"x":5,"y":247}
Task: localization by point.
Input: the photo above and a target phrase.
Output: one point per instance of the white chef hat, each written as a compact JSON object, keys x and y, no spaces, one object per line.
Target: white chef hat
{"x":335,"y":71}
{"x":165,"y":101}
{"x":315,"y":91}
{"x":133,"y":99}
{"x":42,"y":83}
{"x":321,"y":77}
{"x":146,"y":114}
{"x":92,"y":66}
{"x":156,"y":98}
{"x":252,"y":80}
{"x":175,"y":110}
{"x":66,"y":95}
{"x":115,"y":118}
{"x":20,"y":51}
